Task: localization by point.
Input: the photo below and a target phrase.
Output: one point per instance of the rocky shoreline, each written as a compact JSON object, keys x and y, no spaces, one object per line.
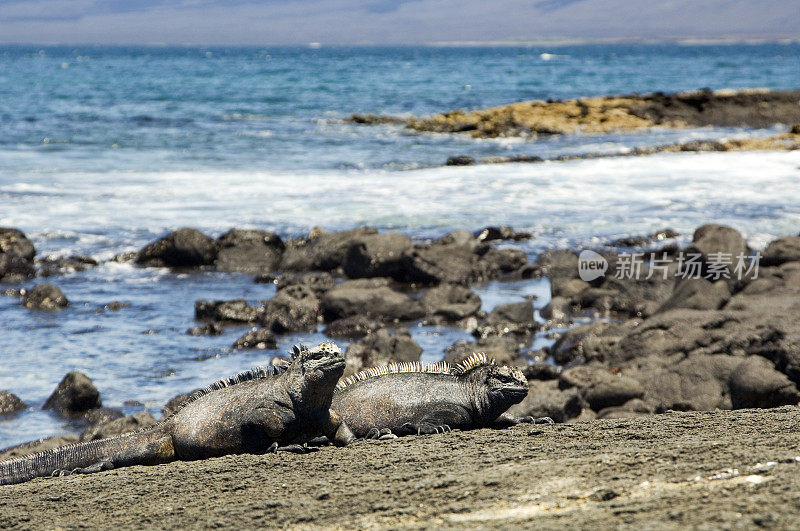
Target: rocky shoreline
{"x":624,"y":347}
{"x":725,"y":108}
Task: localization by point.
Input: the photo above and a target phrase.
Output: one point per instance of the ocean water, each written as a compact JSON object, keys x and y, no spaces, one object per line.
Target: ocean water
{"x":104,"y":149}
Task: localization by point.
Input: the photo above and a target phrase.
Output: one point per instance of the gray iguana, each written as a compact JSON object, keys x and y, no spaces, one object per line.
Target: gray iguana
{"x":416,"y":398}
{"x":263,"y":410}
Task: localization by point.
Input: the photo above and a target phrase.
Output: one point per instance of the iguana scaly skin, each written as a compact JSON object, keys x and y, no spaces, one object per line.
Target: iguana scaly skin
{"x":416,"y":398}
{"x":262,"y":410}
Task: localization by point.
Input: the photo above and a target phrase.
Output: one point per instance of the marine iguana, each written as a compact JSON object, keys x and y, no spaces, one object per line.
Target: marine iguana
{"x":417,"y":398}
{"x":267,"y":409}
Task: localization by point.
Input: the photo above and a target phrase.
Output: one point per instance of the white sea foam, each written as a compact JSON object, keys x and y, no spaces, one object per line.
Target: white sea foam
{"x":757,"y":192}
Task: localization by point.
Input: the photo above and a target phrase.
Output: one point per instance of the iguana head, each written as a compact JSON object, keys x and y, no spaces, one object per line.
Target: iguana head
{"x":317,"y":370}
{"x":503,"y":386}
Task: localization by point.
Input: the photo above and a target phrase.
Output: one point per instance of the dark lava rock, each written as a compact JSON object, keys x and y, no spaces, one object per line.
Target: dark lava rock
{"x":322,"y":251}
{"x":756,"y":383}
{"x":74,"y":396}
{"x":381,"y":347}
{"x":208,"y":329}
{"x":641,"y":241}
{"x":711,"y":240}
{"x":494,"y":263}
{"x":503,"y":232}
{"x":515,"y":312}
{"x":599,"y":387}
{"x":546,"y":399}
{"x":377,"y":303}
{"x":437,"y":263}
{"x":45,"y":297}
{"x":15,"y":241}
{"x":376,"y":255}
{"x":697,"y":294}
{"x":249,"y":251}
{"x":558,"y":264}
{"x":14,"y":268}
{"x":60,"y":265}
{"x":460,"y":160}
{"x":451,"y":301}
{"x":116,"y":306}
{"x":10,"y":403}
{"x":236,"y":311}
{"x":586,"y":343}
{"x":318,"y":281}
{"x":294,"y":308}
{"x":39,"y":445}
{"x":184,"y":247}
{"x":541,"y":370}
{"x":259,"y":338}
{"x":118,"y":426}
{"x":568,"y":287}
{"x":352,"y":327}
{"x":781,"y":251}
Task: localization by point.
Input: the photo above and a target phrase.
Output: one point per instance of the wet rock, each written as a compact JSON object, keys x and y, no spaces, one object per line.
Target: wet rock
{"x":74,"y":396}
{"x":60,"y":265}
{"x":451,"y":301}
{"x":635,"y":297}
{"x":558,"y":264}
{"x":15,"y":269}
{"x":115,"y":306}
{"x":15,"y":241}
{"x":438,"y":263}
{"x":318,"y":281}
{"x":514,"y":319}
{"x":119,"y":426}
{"x":352,"y":327}
{"x":586,"y":343}
{"x":208,"y":329}
{"x":460,"y":160}
{"x":381,"y":347}
{"x":697,"y":294}
{"x":494,"y":263}
{"x":557,"y":312}
{"x":504,"y":350}
{"x":377,"y":255}
{"x":293,"y":309}
{"x":599,"y":387}
{"x":756,"y":383}
{"x":236,"y":311}
{"x":503,"y":232}
{"x":100,"y":415}
{"x":257,"y":338}
{"x":781,"y":251}
{"x":184,"y":247}
{"x":249,"y":251}
{"x":713,"y":240}
{"x":377,"y":303}
{"x":45,"y":297}
{"x":322,"y":251}
{"x":546,"y":399}
{"x":10,"y":404}
{"x":642,"y":241}
{"x":568,"y":287}
{"x":541,"y":370}
{"x":515,"y":312}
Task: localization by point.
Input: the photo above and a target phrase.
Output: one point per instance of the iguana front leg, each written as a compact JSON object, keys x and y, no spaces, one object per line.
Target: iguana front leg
{"x":506,"y":420}
{"x":337,"y":431}
{"x":263,"y":427}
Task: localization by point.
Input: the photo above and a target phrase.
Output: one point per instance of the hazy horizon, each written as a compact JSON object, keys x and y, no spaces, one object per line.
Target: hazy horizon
{"x":390,"y":22}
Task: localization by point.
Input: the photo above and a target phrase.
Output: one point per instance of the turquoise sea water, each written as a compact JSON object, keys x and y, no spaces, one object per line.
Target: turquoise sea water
{"x":104,"y":149}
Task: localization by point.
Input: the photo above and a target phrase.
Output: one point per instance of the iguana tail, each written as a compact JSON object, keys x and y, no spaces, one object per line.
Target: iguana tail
{"x":127,"y":449}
